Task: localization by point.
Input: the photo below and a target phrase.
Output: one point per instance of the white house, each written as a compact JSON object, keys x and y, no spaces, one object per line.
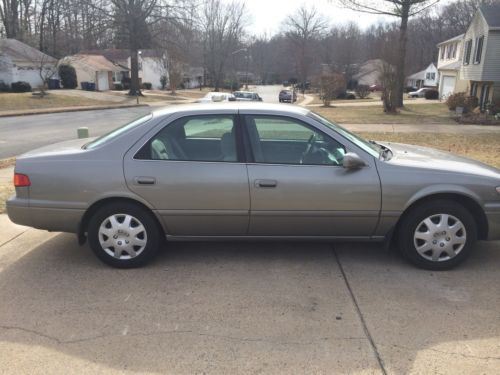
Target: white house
{"x":94,"y":69}
{"x":429,"y":77}
{"x":152,"y":64}
{"x":369,"y":73}
{"x":20,"y":62}
{"x":449,"y":63}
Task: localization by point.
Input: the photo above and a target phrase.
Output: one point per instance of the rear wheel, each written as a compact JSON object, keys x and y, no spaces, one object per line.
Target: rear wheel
{"x":124,"y":235}
{"x":437,"y":235}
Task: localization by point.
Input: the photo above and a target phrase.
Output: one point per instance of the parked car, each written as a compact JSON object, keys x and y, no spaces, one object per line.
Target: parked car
{"x":248,"y":170}
{"x":247,"y":96}
{"x":376,"y":88}
{"x":420,"y":93}
{"x":217,"y":97}
{"x":286,"y":96}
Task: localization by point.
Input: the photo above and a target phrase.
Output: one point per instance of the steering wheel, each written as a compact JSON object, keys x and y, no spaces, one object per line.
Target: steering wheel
{"x":309,"y":147}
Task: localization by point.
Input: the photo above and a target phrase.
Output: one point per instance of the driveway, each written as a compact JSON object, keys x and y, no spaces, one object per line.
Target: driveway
{"x":228,"y":308}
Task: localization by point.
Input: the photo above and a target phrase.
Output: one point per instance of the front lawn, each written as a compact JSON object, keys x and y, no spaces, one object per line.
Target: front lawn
{"x":24,"y":101}
{"x":434,"y":113}
{"x":482,"y":147}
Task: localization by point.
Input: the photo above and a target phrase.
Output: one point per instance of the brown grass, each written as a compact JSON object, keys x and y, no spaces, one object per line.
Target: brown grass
{"x":6,"y":191}
{"x":434,"y":113}
{"x":482,"y":147}
{"x":372,"y":97}
{"x":9,"y":162}
{"x":21,"y":101}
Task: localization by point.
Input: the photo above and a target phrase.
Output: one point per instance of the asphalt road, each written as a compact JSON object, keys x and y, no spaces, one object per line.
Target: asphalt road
{"x":253,"y":308}
{"x":24,"y":133}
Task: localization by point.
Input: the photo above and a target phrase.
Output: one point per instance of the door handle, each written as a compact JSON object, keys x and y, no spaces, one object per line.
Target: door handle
{"x":266,"y":183}
{"x":145,"y":180}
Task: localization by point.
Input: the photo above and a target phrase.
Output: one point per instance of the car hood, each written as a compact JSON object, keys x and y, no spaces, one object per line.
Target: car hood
{"x":61,"y":148}
{"x":429,"y":158}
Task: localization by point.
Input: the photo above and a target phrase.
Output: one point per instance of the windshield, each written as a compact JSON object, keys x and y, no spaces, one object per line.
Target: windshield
{"x":115,"y":133}
{"x":371,"y":148}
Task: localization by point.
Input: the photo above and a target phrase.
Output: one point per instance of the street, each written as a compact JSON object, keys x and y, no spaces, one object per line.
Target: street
{"x":226,"y":308}
{"x":24,"y":133}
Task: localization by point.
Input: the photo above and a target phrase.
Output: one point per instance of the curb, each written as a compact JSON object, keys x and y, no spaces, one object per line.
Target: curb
{"x":69,"y":109}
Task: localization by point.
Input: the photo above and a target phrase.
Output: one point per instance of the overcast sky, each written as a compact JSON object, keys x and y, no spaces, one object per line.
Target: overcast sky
{"x":268,"y":15}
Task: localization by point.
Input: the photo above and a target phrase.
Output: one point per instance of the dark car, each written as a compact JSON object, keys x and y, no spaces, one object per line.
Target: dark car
{"x":247,"y":96}
{"x":286,"y":96}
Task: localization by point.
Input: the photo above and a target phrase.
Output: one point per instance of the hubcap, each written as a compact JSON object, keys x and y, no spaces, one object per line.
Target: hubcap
{"x":440,"y":237}
{"x":122,"y":236}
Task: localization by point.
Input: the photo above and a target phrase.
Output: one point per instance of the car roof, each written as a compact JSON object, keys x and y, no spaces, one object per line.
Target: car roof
{"x":239,"y":106}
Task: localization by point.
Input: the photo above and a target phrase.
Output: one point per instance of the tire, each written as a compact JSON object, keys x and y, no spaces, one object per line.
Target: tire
{"x":131,"y":233}
{"x":437,"y":235}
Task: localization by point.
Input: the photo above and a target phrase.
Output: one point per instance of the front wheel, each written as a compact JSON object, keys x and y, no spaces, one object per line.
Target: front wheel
{"x":437,"y":235}
{"x":124,"y":235}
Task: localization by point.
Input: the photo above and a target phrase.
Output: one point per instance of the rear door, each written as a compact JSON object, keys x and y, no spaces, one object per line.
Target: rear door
{"x":191,"y":172}
{"x":298,"y":186}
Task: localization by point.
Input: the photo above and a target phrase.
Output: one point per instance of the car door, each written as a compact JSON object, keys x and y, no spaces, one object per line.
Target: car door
{"x":298,"y":186}
{"x":190,"y":171}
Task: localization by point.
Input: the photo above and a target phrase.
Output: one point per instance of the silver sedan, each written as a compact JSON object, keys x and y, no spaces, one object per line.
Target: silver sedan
{"x":252,"y":170}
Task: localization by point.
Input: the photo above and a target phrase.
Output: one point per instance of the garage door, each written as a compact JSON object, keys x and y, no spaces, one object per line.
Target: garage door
{"x":102,"y":81}
{"x":448,"y":86}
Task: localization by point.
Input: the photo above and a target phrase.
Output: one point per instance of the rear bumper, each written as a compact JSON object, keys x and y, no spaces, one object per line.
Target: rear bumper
{"x":51,"y":219}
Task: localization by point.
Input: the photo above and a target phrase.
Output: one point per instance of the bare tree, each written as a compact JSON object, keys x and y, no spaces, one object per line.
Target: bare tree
{"x":223,"y":28}
{"x":9,"y":14}
{"x":403,"y":9}
{"x":302,"y":28}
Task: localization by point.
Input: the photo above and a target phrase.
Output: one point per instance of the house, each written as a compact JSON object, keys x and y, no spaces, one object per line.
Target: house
{"x":449,"y":64}
{"x":192,"y":77}
{"x":369,"y":73}
{"x":481,"y":55}
{"x":429,"y":77}
{"x":152,"y":64}
{"x":20,"y":62}
{"x":93,"y":68}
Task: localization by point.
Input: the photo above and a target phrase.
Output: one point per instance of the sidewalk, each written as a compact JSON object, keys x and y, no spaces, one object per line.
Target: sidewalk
{"x":41,"y":111}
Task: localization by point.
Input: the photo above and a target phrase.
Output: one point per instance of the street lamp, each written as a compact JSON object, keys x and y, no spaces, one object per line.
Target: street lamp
{"x":247,"y":58}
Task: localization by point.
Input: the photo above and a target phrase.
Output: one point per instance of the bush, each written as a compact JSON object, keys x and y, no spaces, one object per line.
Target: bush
{"x":126,"y":83}
{"x":147,"y":85}
{"x":4,"y":87}
{"x":68,"y":76}
{"x":20,"y":86}
{"x":456,"y":100}
{"x":118,"y":86}
{"x":163,"y":82}
{"x":432,"y":94}
{"x":363,"y":91}
{"x":332,"y":85}
{"x":470,"y":103}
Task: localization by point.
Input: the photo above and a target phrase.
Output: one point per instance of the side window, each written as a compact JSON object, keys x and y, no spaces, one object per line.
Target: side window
{"x":282,"y":140}
{"x":194,"y":138}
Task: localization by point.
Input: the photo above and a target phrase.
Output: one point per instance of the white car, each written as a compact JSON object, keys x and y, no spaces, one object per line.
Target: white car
{"x":420,"y":93}
{"x":217,"y":97}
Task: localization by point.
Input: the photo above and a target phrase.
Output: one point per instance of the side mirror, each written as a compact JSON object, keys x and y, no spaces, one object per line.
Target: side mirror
{"x":352,"y":161}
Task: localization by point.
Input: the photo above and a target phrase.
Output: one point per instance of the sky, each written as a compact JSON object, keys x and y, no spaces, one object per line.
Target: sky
{"x":267,"y":15}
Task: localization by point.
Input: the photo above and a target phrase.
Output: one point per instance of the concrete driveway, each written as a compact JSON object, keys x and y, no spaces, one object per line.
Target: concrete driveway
{"x":228,"y":308}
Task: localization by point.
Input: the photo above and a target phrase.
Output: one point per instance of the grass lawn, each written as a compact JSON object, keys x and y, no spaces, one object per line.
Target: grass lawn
{"x":434,"y":113}
{"x":11,"y":101}
{"x":482,"y":147}
{"x":372,"y":97}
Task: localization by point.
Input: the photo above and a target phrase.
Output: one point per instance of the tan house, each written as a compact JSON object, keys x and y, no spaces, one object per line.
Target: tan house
{"x":477,"y":57}
{"x":95,"y":69}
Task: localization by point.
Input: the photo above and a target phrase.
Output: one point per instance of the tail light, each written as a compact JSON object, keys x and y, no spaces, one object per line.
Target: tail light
{"x":21,"y":180}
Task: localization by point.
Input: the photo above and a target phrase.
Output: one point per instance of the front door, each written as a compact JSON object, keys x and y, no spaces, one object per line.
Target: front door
{"x":298,"y":186}
{"x":190,"y":171}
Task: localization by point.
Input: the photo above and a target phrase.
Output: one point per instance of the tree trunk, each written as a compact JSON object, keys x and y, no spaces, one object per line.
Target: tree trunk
{"x":135,"y":89}
{"x":397,"y":97}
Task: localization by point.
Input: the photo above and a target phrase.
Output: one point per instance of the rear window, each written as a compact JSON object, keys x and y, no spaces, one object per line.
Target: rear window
{"x":115,"y":133}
